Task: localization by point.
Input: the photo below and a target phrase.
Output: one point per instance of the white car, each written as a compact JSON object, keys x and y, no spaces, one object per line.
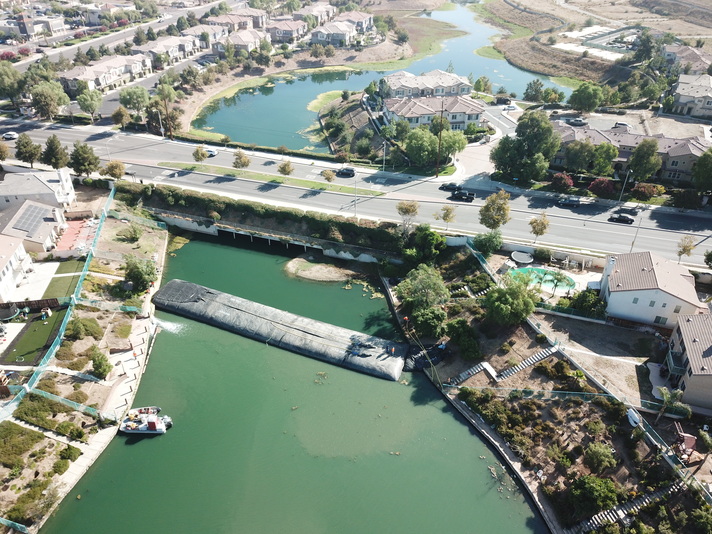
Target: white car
{"x":510,"y":107}
{"x":211,"y":152}
{"x":9,"y":136}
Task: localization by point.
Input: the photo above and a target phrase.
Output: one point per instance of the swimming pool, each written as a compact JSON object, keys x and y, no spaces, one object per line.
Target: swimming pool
{"x":544,"y":278}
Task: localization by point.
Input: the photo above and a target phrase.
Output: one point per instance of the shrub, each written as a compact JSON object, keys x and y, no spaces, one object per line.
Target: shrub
{"x":489,"y":243}
{"x":65,"y":352}
{"x":541,"y":338}
{"x":505,"y":348}
{"x":70,"y":453}
{"x":428,"y":322}
{"x":602,"y":187}
{"x":542,"y":255}
{"x":646,"y":191}
{"x":81,"y":328}
{"x":465,"y":337}
{"x":60,"y":466}
{"x":561,"y":182}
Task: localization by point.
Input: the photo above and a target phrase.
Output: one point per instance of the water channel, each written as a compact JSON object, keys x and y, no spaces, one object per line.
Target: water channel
{"x":275,"y":115}
{"x":268,"y":441}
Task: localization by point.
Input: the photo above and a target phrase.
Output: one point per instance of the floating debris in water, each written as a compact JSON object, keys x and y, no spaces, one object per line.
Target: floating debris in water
{"x":295,"y":408}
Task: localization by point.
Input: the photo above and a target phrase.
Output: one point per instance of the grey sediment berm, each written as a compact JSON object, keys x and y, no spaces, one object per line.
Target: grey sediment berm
{"x":323,"y":341}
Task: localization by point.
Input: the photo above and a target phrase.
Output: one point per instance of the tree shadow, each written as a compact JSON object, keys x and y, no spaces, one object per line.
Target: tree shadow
{"x":311,"y":193}
{"x":220,"y":180}
{"x":268,"y":186}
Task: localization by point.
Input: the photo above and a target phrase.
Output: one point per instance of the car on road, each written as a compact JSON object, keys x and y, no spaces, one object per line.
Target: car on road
{"x":9,"y":136}
{"x":211,"y":152}
{"x":451,"y":186}
{"x":569,"y":202}
{"x":621,"y":218}
{"x":462,"y":196}
{"x":622,"y":125}
{"x":578,"y":121}
{"x":510,"y":107}
{"x":346,"y":172}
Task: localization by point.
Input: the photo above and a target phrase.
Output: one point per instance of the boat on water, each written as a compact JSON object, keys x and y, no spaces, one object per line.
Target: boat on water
{"x":144,"y":410}
{"x":146,"y":424}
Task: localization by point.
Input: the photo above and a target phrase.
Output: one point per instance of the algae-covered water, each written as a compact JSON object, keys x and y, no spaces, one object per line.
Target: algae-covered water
{"x":268,"y":441}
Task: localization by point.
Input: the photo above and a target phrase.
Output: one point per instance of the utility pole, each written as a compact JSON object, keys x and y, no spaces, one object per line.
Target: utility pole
{"x":384,"y":155}
{"x":440,"y":138}
{"x":624,"y":182}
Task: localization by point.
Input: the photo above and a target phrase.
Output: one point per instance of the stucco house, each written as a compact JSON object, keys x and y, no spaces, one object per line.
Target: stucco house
{"x":678,"y":155}
{"x":691,"y":60}
{"x":287,"y":31}
{"x":14,"y":263}
{"x":213,"y":32}
{"x":232,"y":22}
{"x":246,"y":40}
{"x":689,"y":359}
{"x":94,"y":13}
{"x":437,"y":82}
{"x":362,"y":21}
{"x":174,"y":48}
{"x":259,"y":16}
{"x":106,"y":73}
{"x":643,"y":287}
{"x":50,"y":187}
{"x":692,"y":95}
{"x":459,"y":110}
{"x":38,"y":225}
{"x":334,"y":33}
{"x":321,"y":11}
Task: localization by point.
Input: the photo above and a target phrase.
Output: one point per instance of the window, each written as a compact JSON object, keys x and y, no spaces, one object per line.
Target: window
{"x":652,"y":304}
{"x":677,"y":310}
{"x":660,"y":320}
{"x":674,"y":163}
{"x":708,"y":103}
{"x":683,"y":386}
{"x":635,"y":300}
{"x":664,"y":305}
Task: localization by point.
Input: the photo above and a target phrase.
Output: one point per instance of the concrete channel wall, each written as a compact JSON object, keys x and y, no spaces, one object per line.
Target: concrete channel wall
{"x":338,"y":346}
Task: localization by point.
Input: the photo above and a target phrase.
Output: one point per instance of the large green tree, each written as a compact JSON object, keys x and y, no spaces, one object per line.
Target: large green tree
{"x":421,"y":146}
{"x":141,"y":273}
{"x":702,"y":172}
{"x":495,"y":211}
{"x":589,"y":495}
{"x":579,"y":155}
{"x":167,"y":95}
{"x":55,"y":155}
{"x":645,"y":160}
{"x":587,"y":97}
{"x":90,"y":102}
{"x":27,"y":151}
{"x":603,"y":156}
{"x":82,"y":160}
{"x":134,"y":98}
{"x":598,"y":457}
{"x":11,"y":83}
{"x":423,"y":287}
{"x":121,"y":117}
{"x":511,"y":303}
{"x":48,"y":98}
{"x":534,"y":91}
{"x":537,"y":135}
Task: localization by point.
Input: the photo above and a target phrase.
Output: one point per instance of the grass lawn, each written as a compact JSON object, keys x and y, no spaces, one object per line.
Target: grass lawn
{"x":70,"y":266}
{"x":35,"y":338}
{"x":61,"y":286}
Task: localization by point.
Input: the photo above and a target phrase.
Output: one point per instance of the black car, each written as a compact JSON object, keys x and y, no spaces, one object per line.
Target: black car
{"x":621,"y":218}
{"x":346,"y":172}
{"x":451,"y":186}
{"x":570,"y":202}
{"x":462,"y":196}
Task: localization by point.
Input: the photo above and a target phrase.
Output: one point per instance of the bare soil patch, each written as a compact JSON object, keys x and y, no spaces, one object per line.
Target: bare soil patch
{"x":309,"y":267}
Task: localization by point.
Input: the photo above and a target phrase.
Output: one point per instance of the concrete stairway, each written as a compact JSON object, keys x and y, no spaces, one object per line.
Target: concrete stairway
{"x":539,"y":356}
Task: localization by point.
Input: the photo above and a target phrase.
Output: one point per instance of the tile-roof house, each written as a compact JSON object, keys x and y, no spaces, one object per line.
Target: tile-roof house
{"x":691,"y":60}
{"x":321,"y":11}
{"x":287,"y":31}
{"x":259,"y":16}
{"x":689,"y":359}
{"x":459,"y":110}
{"x":643,"y":287}
{"x":362,"y":21}
{"x":106,"y":73}
{"x":437,"y":82}
{"x":175,"y":48}
{"x":14,"y":263}
{"x":232,"y":22}
{"x":215,"y":33}
{"x":678,"y":155}
{"x":692,"y":95}
{"x":246,"y":40}
{"x":334,"y":33}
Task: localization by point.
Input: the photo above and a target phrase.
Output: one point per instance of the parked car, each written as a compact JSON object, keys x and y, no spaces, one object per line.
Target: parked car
{"x":622,"y":125}
{"x":569,"y":202}
{"x":9,"y":136}
{"x":451,"y":186}
{"x":462,"y":196}
{"x":621,"y":218}
{"x":346,"y":172}
{"x":211,"y":152}
{"x":578,"y":121}
{"x":510,"y":107}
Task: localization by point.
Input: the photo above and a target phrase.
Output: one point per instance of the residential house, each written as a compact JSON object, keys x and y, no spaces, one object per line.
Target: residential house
{"x":321,"y":11}
{"x":38,"y":225}
{"x":334,"y":33}
{"x":692,"y":95}
{"x":232,"y":22}
{"x":50,"y":187}
{"x":692,"y":61}
{"x":246,"y":40}
{"x":14,"y":263}
{"x":52,"y":25}
{"x":95,"y":13}
{"x":107,"y":73}
{"x":173,"y":48}
{"x":362,"y":21}
{"x":437,"y":82}
{"x":643,"y":287}
{"x":215,"y":33}
{"x":259,"y":16}
{"x":459,"y":110}
{"x":689,"y":359}
{"x":287,"y":31}
{"x":678,"y":155}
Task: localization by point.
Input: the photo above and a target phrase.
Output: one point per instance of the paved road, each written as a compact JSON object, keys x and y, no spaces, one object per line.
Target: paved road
{"x":657,"y":230}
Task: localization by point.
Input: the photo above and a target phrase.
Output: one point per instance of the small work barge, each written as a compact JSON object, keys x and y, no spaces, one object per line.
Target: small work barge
{"x":323,"y":341}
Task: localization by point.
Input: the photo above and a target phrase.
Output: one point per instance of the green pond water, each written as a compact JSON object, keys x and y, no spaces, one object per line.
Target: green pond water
{"x":264,"y":442}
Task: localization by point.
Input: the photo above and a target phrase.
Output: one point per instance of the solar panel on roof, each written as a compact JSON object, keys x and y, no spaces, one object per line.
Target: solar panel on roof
{"x":32,"y":218}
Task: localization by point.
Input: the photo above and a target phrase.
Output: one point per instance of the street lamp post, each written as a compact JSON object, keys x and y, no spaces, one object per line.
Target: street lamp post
{"x":108,"y":153}
{"x":160,"y":122}
{"x":620,"y":198}
{"x":384,"y":155}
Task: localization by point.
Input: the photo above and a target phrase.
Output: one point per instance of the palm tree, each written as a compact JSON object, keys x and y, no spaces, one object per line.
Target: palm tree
{"x":558,"y":278}
{"x":671,"y":399}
